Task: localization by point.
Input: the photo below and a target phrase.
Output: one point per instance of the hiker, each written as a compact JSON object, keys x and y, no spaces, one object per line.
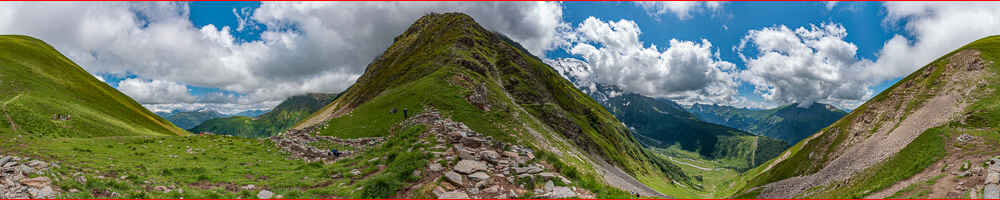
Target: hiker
{"x":404,"y":113}
{"x":334,"y":152}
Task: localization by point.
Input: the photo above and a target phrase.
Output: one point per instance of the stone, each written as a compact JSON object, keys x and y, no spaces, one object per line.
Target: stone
{"x":24,"y":169}
{"x":9,"y":164}
{"x":38,"y":164}
{"x":479,"y":176}
{"x":37,"y":182}
{"x":492,"y":189}
{"x":993,"y":178}
{"x":81,"y":179}
{"x":992,"y":191}
{"x":547,"y":175}
{"x":527,"y":170}
{"x":454,"y":195}
{"x":438,"y":191}
{"x":467,"y":154}
{"x":161,"y":189}
{"x":511,"y":155}
{"x":489,"y":155}
{"x":435,"y":167}
{"x":454,"y":178}
{"x":469,"y":166}
{"x":416,"y":173}
{"x":264,"y":194}
{"x":473,"y":142}
{"x":549,"y":186}
{"x":249,"y":187}
{"x":4,"y":159}
{"x":42,"y":193}
{"x":560,"y":193}
{"x":73,"y":190}
{"x":565,"y":180}
{"x":356,"y":172}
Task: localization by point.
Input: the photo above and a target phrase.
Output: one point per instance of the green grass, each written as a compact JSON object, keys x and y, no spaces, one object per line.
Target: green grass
{"x":46,"y":83}
{"x":279,"y":119}
{"x":442,"y":56}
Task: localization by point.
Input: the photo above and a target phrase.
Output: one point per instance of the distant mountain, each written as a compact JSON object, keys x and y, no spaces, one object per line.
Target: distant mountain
{"x":789,"y":123}
{"x":42,"y":92}
{"x":251,"y":113}
{"x":663,"y":123}
{"x":190,"y":119}
{"x":282,"y":117}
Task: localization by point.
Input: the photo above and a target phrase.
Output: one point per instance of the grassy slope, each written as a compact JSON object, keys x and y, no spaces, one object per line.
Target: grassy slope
{"x":36,"y":81}
{"x":983,"y":113}
{"x":282,"y":117}
{"x":439,"y":58}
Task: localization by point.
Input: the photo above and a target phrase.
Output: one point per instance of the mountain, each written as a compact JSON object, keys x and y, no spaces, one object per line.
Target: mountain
{"x":448,"y":64}
{"x":930,"y":135}
{"x":189,"y":119}
{"x":282,"y":117}
{"x":251,"y":113}
{"x":662,"y":123}
{"x":44,"y":93}
{"x":790,"y":123}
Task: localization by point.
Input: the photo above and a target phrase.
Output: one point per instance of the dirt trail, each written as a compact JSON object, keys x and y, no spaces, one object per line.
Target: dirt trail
{"x":934,"y":112}
{"x":13,"y":126}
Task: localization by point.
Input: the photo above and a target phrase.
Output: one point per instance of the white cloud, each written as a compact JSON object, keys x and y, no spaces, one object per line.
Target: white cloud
{"x":685,"y":71}
{"x":304,"y":47}
{"x":681,"y":9}
{"x":830,"y":5}
{"x":805,"y":65}
{"x":155,"y":91}
{"x":936,"y":29}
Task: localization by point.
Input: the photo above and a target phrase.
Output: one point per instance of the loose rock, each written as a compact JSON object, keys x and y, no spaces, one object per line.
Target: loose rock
{"x":264,"y":194}
{"x":469,"y":166}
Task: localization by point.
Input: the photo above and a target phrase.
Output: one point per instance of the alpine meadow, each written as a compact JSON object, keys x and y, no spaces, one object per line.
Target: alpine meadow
{"x":499,"y":100}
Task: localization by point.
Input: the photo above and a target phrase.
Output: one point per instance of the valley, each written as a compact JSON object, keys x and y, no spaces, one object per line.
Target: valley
{"x":451,"y":109}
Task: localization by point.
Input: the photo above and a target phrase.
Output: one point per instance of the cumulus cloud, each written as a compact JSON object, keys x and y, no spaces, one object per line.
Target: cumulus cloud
{"x":155,"y":91}
{"x":804,"y":65}
{"x":681,"y":9}
{"x":304,"y":46}
{"x":935,"y":29}
{"x":685,"y":71}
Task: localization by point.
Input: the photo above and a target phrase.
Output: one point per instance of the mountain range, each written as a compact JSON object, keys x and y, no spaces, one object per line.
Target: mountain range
{"x":790,"y":123}
{"x":282,"y":117}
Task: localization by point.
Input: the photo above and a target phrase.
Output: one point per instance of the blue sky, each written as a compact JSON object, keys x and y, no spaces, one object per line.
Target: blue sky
{"x":236,"y":56}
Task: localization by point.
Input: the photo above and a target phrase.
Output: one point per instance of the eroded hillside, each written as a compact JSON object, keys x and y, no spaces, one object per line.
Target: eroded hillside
{"x":911,"y":135}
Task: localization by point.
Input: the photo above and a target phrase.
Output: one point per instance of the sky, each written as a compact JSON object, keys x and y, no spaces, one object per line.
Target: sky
{"x":238,"y":56}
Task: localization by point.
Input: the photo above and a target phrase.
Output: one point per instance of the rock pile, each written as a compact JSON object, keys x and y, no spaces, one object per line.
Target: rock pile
{"x":297,"y":141}
{"x":992,"y":190}
{"x":14,"y":181}
{"x":486,"y":168}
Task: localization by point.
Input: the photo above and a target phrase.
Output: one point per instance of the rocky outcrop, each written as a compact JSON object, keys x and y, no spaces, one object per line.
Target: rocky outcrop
{"x":992,"y":189}
{"x":486,"y":168}
{"x":296,"y":142}
{"x":14,"y":181}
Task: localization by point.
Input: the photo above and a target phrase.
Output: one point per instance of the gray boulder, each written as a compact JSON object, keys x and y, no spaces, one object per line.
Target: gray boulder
{"x":435,"y":167}
{"x":479,"y":176}
{"x":992,"y":191}
{"x":454,"y":195}
{"x":264,"y":194}
{"x":469,"y":166}
{"x":527,"y":170}
{"x":454,"y":178}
